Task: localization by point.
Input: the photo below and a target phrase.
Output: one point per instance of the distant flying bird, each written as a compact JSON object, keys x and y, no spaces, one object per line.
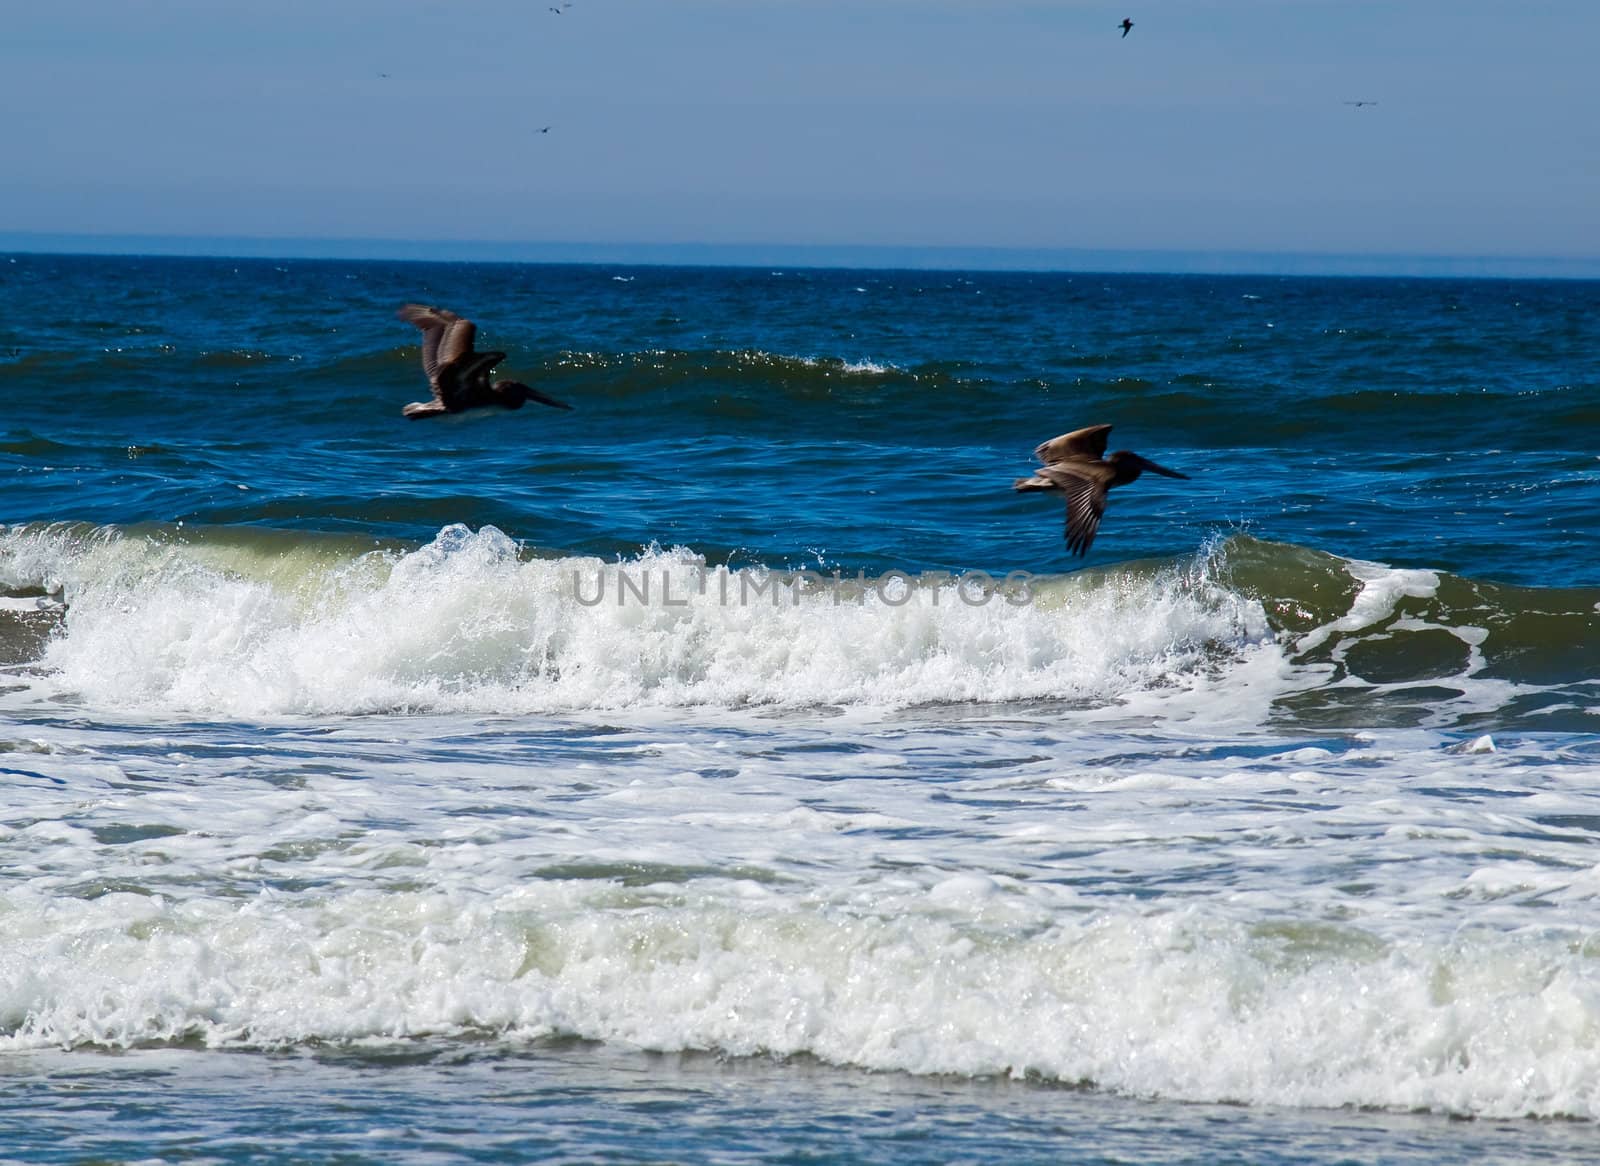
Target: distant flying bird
{"x":1076,"y":465}
{"x":543,"y":130}
{"x":1126,"y":26}
{"x":1359,"y":104}
{"x":458,"y":376}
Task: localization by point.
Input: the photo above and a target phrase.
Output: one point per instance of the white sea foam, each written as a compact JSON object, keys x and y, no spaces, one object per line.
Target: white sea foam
{"x":1382,"y":588}
{"x":1378,"y":921}
{"x":863,"y":366}
{"x":468,"y":623}
{"x":1175,"y":1004}
{"x":869,"y":366}
{"x":755,"y":826}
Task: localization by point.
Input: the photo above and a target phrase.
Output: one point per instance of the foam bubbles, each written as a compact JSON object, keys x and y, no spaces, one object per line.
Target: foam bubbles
{"x":1180,"y":1005}
{"x":1382,"y":589}
{"x":468,"y":623}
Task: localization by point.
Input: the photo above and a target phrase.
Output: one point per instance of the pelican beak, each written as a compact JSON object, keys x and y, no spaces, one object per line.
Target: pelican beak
{"x":547,"y":399}
{"x":1150,"y":465}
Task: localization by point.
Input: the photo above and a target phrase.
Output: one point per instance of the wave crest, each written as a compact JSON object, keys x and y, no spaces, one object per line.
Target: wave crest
{"x":470,"y":622}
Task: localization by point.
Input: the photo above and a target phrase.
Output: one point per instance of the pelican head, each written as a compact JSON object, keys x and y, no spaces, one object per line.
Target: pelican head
{"x":514,"y":394}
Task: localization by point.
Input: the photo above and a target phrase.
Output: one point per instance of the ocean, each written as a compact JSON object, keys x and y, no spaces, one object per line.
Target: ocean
{"x":736,"y":769}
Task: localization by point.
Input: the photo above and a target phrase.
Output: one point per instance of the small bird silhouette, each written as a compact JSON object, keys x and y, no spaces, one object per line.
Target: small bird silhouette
{"x":543,"y":129}
{"x":458,"y":376}
{"x":1126,"y":26}
{"x":1359,"y":104}
{"x":1075,"y":464}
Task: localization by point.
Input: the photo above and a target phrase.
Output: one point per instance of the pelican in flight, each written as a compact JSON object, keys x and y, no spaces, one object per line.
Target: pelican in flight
{"x":458,"y":376}
{"x":1076,"y":464}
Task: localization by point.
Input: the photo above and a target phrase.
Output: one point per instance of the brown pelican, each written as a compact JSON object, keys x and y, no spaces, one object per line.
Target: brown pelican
{"x":1126,"y":26}
{"x":458,"y":376}
{"x":1075,"y":463}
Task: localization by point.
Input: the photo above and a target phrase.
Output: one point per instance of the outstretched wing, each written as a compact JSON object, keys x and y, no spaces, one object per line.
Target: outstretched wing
{"x":1089,"y":443}
{"x":446,"y":337}
{"x":1084,"y":487}
{"x":456,"y":343}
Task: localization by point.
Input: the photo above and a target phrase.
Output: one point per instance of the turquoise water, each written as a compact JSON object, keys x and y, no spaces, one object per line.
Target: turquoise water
{"x":644,"y":783}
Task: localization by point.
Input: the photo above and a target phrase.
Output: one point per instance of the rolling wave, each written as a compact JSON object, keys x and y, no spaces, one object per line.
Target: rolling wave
{"x":972,"y":976}
{"x":250,"y":622}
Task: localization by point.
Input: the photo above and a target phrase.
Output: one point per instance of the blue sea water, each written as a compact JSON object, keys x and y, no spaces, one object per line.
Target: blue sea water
{"x":671,"y":779}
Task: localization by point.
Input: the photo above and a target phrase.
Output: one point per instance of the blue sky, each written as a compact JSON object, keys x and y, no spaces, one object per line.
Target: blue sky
{"x":1216,"y":126}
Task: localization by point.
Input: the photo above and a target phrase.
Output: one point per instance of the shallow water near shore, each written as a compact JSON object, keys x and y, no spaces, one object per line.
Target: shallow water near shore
{"x":489,"y":1104}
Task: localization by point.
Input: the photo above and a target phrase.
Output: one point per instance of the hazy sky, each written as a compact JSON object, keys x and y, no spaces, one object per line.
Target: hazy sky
{"x":1216,"y":125}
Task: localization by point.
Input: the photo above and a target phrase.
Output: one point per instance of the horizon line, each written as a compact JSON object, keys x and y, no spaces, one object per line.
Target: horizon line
{"x":859,"y":256}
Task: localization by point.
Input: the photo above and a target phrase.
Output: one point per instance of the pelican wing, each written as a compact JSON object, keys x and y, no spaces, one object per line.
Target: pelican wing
{"x":456,"y":342}
{"x":1084,"y":487}
{"x":436,"y":324}
{"x":1088,"y":443}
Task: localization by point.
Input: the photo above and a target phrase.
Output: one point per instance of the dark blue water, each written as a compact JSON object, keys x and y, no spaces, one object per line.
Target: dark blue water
{"x":874,"y":419}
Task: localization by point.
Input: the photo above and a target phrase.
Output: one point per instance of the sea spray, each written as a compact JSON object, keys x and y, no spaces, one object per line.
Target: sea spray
{"x":468,"y":621}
